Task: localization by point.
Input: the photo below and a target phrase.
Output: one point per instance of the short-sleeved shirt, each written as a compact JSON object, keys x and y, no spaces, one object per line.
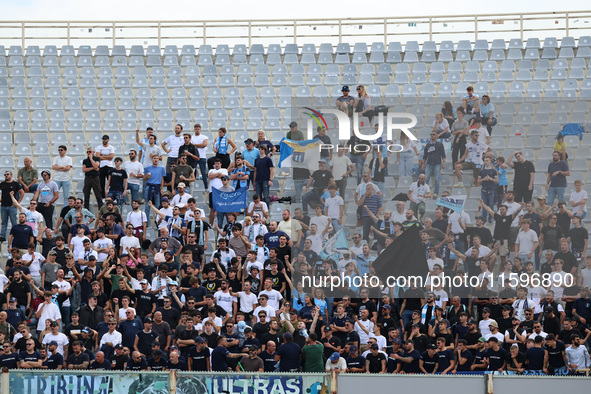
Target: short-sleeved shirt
{"x":476,"y":152}
{"x":105,"y":151}
{"x":340,"y":165}
{"x":62,"y":162}
{"x":47,"y":191}
{"x":6,"y":188}
{"x":28,"y":176}
{"x":179,"y":170}
{"x":174,"y":143}
{"x":522,"y":173}
{"x":117,"y":179}
{"x":491,"y":172}
{"x":150,"y":150}
{"x":263,"y":167}
{"x":558,"y":180}
{"x":156,"y":174}
{"x":86,"y":163}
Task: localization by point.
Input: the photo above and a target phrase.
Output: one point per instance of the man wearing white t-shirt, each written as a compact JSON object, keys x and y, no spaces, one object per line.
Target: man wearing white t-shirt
{"x":101,"y":245}
{"x":129,"y":240}
{"x":138,"y":219}
{"x":334,"y":208}
{"x":456,"y":225}
{"x":224,"y":298}
{"x":526,"y":242}
{"x":274,"y":296}
{"x":322,"y":222}
{"x":174,"y":142}
{"x":215,"y":182}
{"x":47,"y":310}
{"x":62,"y":165}
{"x":105,"y":153}
{"x":55,"y":335}
{"x":135,"y":174}
{"x":257,"y":206}
{"x":200,"y":142}
{"x":418,"y":193}
{"x":578,"y":200}
{"x":64,"y":289}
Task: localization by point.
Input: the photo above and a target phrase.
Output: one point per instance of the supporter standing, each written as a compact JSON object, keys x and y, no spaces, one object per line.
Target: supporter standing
{"x":174,"y":142}
{"x":558,"y":170}
{"x":200,"y":141}
{"x":62,"y":165}
{"x":105,"y":153}
{"x":223,"y":146}
{"x":91,"y":169}
{"x":523,"y":180}
{"x":263,"y":174}
{"x":434,"y":157}
{"x":154,"y":185}
{"x":135,"y":173}
{"x":8,"y":210}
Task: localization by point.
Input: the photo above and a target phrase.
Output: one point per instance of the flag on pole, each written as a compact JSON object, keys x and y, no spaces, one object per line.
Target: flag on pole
{"x":455,"y":203}
{"x":299,"y":154}
{"x":229,"y":201}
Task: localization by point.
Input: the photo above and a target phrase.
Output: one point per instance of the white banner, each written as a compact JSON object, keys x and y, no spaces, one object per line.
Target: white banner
{"x":59,"y":384}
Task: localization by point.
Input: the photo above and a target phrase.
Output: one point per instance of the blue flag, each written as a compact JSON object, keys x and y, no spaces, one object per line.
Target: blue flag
{"x":455,"y":203}
{"x":335,"y":246}
{"x":229,"y":201}
{"x":299,"y":154}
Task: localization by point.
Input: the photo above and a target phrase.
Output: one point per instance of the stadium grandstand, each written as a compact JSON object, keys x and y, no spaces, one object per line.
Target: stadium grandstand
{"x":183,"y":204}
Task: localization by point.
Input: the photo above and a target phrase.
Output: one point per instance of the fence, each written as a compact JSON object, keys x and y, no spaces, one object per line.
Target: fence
{"x":300,"y":31}
{"x":120,"y":382}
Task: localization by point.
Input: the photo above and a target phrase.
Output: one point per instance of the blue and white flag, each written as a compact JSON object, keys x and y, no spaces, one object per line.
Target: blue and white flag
{"x":229,"y":201}
{"x":335,"y":246}
{"x":455,"y":203}
{"x":299,"y":154}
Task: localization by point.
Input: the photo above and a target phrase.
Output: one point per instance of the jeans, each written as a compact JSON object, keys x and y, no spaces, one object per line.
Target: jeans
{"x":555,"y":192}
{"x":152,"y":194}
{"x":489,"y":127}
{"x":220,"y":217}
{"x":262,"y":188}
{"x":488,"y":196}
{"x":335,"y":225}
{"x":203,"y":168}
{"x":582,"y":214}
{"x":299,"y":185}
{"x":8,"y":213}
{"x":418,"y":209}
{"x":66,"y":313}
{"x":433,"y":170}
{"x":406,"y":316}
{"x":66,"y":187}
{"x":367,"y":222}
{"x":380,"y":186}
{"x":134,"y":190}
{"x":33,"y":188}
{"x":117,"y":198}
{"x":309,"y":198}
{"x":103,"y":175}
{"x":405,"y":162}
{"x":358,"y":161}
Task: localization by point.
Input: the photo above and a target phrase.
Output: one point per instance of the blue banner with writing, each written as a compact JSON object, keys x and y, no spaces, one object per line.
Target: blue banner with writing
{"x":229,"y":201}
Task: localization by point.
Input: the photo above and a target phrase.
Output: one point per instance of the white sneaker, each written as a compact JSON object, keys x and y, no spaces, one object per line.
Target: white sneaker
{"x":459,"y":184}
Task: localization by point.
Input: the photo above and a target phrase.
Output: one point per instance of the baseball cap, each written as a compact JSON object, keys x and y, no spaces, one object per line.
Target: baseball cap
{"x":46,"y":171}
{"x":432,"y":346}
{"x":375,"y":346}
{"x":396,"y":341}
{"x":119,"y":346}
{"x":147,"y":319}
{"x":182,"y":184}
{"x":548,"y":309}
{"x":345,"y":88}
{"x":253,"y":347}
{"x":249,"y":141}
{"x":493,"y":323}
{"x":174,"y":283}
{"x":415,"y":325}
{"x":293,"y":124}
{"x":327,"y":328}
{"x":335,"y":357}
{"x":86,"y":330}
{"x":13,"y":299}
{"x":54,"y":324}
{"x":165,"y":199}
{"x":388,"y":307}
{"x":486,"y":309}
{"x":287,"y":335}
{"x":143,"y":282}
{"x":52,"y":343}
{"x":52,"y":253}
{"x":352,"y":349}
{"x":293,"y":312}
{"x":482,"y":339}
{"x":199,"y":339}
{"x":541,"y":198}
{"x":105,"y":137}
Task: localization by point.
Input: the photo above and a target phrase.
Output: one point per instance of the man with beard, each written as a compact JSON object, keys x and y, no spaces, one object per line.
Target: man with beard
{"x":556,"y":178}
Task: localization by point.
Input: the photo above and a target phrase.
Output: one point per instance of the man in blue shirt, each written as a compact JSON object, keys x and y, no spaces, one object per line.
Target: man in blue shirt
{"x":219,"y":356}
{"x":288,"y":355}
{"x":129,"y":329}
{"x":250,"y":154}
{"x":154,"y":184}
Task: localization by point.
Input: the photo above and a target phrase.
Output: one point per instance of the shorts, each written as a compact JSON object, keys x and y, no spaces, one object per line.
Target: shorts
{"x":503,"y":245}
{"x":513,"y":232}
{"x":468,"y":165}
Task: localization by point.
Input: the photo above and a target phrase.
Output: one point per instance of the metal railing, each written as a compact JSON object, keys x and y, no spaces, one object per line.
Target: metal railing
{"x":298,"y":31}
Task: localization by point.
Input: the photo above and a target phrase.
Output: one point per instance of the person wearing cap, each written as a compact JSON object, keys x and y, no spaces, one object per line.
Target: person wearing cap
{"x":144,"y":338}
{"x":375,"y":361}
{"x":355,"y":362}
{"x":252,"y":362}
{"x":46,"y":195}
{"x":220,"y":355}
{"x":429,"y":361}
{"x":494,"y":332}
{"x":336,"y":363}
{"x":294,"y":134}
{"x":321,"y":178}
{"x":331,"y":343}
{"x":198,"y":357}
{"x":346,"y":102}
{"x":560,"y":146}
{"x":54,"y":359}
{"x":6,"y":208}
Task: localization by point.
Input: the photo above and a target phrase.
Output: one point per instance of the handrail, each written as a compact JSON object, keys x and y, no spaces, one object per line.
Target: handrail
{"x":299,"y":31}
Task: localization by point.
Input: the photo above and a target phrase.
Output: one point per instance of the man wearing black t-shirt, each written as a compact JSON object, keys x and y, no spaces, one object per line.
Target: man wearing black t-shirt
{"x":496,"y":356}
{"x":90,"y":167}
{"x":321,"y":178}
{"x":429,"y":360}
{"x":524,"y":176}
{"x":410,"y":358}
{"x":557,"y":359}
{"x":198,"y":357}
{"x":375,"y":362}
{"x":502,"y":227}
{"x":536,"y":355}
{"x":9,"y":211}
